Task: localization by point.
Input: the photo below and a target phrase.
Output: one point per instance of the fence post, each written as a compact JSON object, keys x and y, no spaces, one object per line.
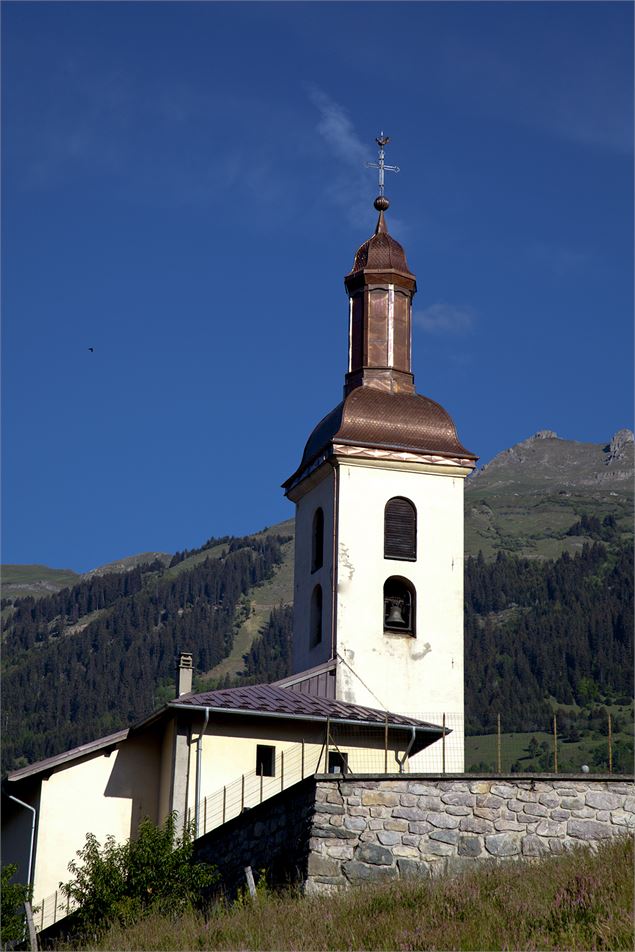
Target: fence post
{"x":386,"y":744}
{"x":302,"y":763}
{"x":281,"y":770}
{"x":555,"y":744}
{"x":610,"y":745}
{"x":242,"y":793}
{"x":261,"y":768}
{"x":498,"y":744}
{"x":326,"y":747}
{"x":443,"y":748}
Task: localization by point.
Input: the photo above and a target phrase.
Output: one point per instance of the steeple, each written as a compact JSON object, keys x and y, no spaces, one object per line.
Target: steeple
{"x":380,"y":287}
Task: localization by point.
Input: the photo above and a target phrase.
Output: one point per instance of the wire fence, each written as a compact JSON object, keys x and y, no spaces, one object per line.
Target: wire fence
{"x":602,"y":745}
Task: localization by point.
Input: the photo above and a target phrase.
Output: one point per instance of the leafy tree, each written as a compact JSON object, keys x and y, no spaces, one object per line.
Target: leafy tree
{"x":14,"y":895}
{"x":122,"y":882}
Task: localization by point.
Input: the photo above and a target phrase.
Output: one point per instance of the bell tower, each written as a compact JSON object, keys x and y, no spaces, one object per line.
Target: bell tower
{"x":378,"y":584}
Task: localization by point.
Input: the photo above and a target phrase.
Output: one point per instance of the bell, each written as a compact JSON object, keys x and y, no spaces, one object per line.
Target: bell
{"x":394,"y":615}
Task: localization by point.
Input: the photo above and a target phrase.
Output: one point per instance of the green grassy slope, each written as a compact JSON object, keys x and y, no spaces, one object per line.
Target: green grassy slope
{"x":20,"y":581}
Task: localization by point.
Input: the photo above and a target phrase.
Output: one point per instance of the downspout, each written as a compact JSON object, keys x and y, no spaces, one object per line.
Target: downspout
{"x":401,"y":761}
{"x":32,"y":809}
{"x":199,"y":754}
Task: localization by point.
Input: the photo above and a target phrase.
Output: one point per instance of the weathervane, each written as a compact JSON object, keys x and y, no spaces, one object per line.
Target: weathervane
{"x":382,"y":141}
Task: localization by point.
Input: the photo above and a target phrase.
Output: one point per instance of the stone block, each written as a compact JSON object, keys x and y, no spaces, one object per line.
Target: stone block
{"x":408,"y":800}
{"x":603,"y":816}
{"x":502,"y":844}
{"x":489,"y":802}
{"x":480,"y":786}
{"x":354,"y":801}
{"x":357,"y":872}
{"x":456,"y":799}
{"x":355,"y":823}
{"x":375,"y":855}
{"x":588,"y":830}
{"x":319,"y":865}
{"x":485,"y":814}
{"x":409,"y":813}
{"x":622,"y":818}
{"x":334,"y":833}
{"x":601,"y":800}
{"x":334,"y":796}
{"x":374,"y":798}
{"x":443,"y":821}
{"x":586,"y":813}
{"x":434,"y":848}
{"x":410,"y":839}
{"x":378,"y":812}
{"x":388,"y":837}
{"x":551,"y":828}
{"x":458,"y":811}
{"x":629,"y":804}
{"x":419,"y":826}
{"x":503,"y":790}
{"x":336,"y":821}
{"x":515,"y":806}
{"x":509,"y":826}
{"x":560,"y":814}
{"x":410,"y":852}
{"x":471,"y":824}
{"x":412,"y":868}
{"x":429,"y":803}
{"x":556,"y":845}
{"x":330,"y":808}
{"x":376,"y":824}
{"x":469,"y":845}
{"x":535,"y":809}
{"x":345,"y":851}
{"x":533,"y":845}
{"x":399,"y":826}
{"x":550,"y":799}
{"x":358,"y":811}
{"x":571,"y":803}
{"x":423,"y":788}
{"x":528,"y":796}
{"x":445,"y":836}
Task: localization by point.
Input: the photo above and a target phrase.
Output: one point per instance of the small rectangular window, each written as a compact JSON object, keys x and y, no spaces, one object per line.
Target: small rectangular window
{"x":338,"y":762}
{"x":265,"y":760}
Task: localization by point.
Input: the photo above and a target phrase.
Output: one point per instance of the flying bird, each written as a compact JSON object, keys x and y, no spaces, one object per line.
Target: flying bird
{"x":92,"y":350}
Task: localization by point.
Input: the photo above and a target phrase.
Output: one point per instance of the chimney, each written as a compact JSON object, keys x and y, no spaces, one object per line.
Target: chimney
{"x":184,"y":673}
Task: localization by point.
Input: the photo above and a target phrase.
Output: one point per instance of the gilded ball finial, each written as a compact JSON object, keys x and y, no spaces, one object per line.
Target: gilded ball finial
{"x":381,"y":203}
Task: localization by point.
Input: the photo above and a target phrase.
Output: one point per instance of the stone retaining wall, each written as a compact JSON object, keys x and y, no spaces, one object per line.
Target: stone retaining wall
{"x":373,"y":830}
{"x":329,"y":832}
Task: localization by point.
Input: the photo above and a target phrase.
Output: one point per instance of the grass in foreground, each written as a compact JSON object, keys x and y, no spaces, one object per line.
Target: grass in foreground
{"x":578,"y":901}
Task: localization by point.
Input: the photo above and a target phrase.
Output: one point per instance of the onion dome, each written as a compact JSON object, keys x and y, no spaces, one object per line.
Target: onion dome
{"x":381,"y":252}
{"x":373,"y":419}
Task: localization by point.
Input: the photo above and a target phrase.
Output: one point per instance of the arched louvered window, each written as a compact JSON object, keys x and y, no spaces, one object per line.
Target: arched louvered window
{"x":315,"y":633}
{"x":317,"y":541}
{"x":400,"y":530}
{"x":400,"y":603}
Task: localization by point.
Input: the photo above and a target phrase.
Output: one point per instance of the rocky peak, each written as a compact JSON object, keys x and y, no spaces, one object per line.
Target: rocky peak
{"x":619,"y":441}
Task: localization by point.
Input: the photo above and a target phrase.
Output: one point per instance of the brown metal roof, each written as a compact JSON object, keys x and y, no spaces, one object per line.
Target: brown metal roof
{"x":110,"y":740}
{"x":378,"y":419}
{"x":381,"y":252}
{"x":267,"y":699}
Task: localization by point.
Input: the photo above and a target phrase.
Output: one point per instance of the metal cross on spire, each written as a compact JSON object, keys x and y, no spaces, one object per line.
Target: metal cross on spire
{"x":382,"y":141}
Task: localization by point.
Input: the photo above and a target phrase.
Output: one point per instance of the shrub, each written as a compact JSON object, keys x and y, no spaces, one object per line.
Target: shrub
{"x":122,"y":882}
{"x":14,"y":895}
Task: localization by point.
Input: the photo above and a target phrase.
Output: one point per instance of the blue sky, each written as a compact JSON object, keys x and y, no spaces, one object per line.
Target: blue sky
{"x":184,"y":189}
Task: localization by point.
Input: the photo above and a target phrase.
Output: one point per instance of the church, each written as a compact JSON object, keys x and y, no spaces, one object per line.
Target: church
{"x":377,"y":682}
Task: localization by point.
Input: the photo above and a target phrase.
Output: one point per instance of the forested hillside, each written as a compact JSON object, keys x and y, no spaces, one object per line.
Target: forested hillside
{"x":95,"y":657}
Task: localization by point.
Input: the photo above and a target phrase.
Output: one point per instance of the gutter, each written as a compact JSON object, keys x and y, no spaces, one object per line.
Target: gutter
{"x":199,"y":755}
{"x":320,"y":719}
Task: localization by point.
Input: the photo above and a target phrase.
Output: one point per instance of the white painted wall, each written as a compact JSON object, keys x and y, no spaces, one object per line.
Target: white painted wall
{"x":104,"y":794}
{"x":320,"y":494}
{"x":406,"y":675}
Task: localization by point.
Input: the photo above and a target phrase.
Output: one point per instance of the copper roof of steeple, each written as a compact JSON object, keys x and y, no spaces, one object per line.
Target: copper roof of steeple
{"x":381,"y":252}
